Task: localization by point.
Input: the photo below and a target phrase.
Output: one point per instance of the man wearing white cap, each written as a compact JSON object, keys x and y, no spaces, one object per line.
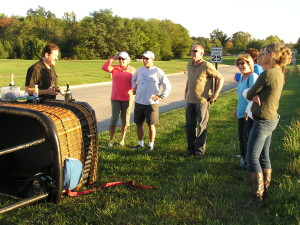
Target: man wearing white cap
{"x":146,"y":84}
{"x":121,"y":94}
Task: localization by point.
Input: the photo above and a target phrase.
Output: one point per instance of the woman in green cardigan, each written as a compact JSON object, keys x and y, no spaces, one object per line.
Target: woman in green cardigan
{"x":265,"y":94}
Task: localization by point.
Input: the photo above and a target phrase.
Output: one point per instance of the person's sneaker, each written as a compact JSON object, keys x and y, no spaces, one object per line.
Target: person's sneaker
{"x":238,"y":156}
{"x":110,"y":145}
{"x":150,"y":149}
{"x":138,"y":147}
{"x":198,"y":155}
{"x":243,"y":163}
{"x":122,"y":143}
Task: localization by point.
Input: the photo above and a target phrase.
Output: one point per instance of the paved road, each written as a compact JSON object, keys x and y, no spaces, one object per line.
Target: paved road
{"x":98,"y":95}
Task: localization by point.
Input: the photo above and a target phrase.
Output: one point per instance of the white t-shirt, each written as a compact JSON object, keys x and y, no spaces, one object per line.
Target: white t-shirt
{"x":248,"y":108}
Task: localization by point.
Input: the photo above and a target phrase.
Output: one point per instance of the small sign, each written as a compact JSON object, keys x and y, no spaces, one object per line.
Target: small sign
{"x":216,"y":55}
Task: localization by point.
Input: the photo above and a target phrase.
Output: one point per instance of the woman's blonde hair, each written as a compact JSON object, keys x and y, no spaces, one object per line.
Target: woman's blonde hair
{"x":247,"y":58}
{"x":281,"y":55}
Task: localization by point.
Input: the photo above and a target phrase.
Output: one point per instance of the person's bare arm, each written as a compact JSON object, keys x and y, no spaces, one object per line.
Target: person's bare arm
{"x":49,"y":91}
{"x":220,"y":83}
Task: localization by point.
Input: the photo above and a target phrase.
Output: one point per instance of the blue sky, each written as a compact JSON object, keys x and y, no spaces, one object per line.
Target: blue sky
{"x":260,"y":18}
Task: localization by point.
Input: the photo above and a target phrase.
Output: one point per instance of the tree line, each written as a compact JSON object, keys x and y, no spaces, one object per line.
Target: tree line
{"x":100,"y":35}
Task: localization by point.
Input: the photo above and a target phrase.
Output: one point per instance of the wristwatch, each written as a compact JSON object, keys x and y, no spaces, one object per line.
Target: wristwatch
{"x":161,"y":96}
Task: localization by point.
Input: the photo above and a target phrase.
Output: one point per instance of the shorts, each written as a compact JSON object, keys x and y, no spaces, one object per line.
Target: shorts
{"x":122,"y":109}
{"x":148,"y":112}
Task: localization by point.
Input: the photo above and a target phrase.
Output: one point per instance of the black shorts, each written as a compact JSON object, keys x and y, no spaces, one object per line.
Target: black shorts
{"x":148,"y":112}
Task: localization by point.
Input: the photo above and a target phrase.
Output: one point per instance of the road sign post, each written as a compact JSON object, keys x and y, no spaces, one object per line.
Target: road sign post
{"x":216,"y":57}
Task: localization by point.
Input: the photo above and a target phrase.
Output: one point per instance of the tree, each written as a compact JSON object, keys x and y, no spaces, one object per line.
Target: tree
{"x":3,"y":52}
{"x":273,"y":39}
{"x":257,"y":44}
{"x":33,"y":48}
{"x":220,"y":36}
{"x":229,"y":47}
{"x":101,"y":34}
{"x":240,"y":41}
{"x":69,"y":38}
{"x":297,"y":46}
{"x":40,"y":11}
{"x":179,"y":38}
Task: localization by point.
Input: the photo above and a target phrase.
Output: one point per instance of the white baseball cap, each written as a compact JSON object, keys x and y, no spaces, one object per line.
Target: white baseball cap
{"x":124,"y":55}
{"x":149,"y":54}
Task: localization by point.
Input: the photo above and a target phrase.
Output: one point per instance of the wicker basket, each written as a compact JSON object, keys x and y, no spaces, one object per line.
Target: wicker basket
{"x":76,"y":129}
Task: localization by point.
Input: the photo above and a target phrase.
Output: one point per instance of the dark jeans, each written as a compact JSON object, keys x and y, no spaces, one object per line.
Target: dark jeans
{"x":259,"y":142}
{"x":244,"y":128}
{"x":196,"y":117}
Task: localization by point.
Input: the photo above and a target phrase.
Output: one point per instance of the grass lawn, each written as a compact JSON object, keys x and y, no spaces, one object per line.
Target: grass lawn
{"x":75,"y":71}
{"x":82,"y":71}
{"x":189,"y":191}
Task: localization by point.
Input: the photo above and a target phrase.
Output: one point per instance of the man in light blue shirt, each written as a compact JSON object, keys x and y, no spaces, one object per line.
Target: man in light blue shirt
{"x":146,"y":84}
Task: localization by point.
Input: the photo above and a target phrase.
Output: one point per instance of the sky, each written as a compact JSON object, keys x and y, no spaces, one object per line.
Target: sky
{"x":260,"y":18}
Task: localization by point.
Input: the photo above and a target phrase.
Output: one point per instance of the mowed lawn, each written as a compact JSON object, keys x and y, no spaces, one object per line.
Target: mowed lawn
{"x":188,"y":190}
{"x":79,"y":72}
{"x":75,"y":71}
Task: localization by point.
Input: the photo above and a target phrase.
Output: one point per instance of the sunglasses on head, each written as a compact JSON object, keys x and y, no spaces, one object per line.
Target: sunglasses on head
{"x":240,"y":63}
{"x":121,"y":58}
{"x":194,"y":51}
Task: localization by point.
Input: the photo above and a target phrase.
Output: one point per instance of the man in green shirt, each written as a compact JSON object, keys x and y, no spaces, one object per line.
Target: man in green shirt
{"x":199,"y":96}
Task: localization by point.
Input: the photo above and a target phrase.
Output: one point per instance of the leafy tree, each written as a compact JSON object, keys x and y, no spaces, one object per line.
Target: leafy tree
{"x":19,"y":49}
{"x":40,"y":11}
{"x":229,"y":47}
{"x":257,"y":44}
{"x":4,"y":23}
{"x":240,"y":41}
{"x":101,"y":35}
{"x":216,"y":43}
{"x":90,"y":39}
{"x":9,"y":49}
{"x":133,"y":37}
{"x":33,"y":48}
{"x":297,"y":46}
{"x":179,"y":36}
{"x":273,"y":39}
{"x":69,"y":38}
{"x":3,"y":52}
{"x":219,"y":36}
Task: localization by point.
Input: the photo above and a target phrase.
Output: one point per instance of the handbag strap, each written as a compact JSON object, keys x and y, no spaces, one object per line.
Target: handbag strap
{"x":131,"y":183}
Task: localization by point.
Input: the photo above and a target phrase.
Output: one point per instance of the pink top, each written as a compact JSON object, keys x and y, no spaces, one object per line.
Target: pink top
{"x":121,"y":80}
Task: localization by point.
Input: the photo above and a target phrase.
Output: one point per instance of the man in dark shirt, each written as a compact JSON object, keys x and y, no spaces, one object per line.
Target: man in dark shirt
{"x":43,"y":74}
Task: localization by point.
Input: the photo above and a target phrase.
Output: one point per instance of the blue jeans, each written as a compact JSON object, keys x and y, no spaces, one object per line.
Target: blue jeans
{"x":259,"y":142}
{"x":196,"y":117}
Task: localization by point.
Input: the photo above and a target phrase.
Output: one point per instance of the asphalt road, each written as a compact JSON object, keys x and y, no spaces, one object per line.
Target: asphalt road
{"x":98,"y":95}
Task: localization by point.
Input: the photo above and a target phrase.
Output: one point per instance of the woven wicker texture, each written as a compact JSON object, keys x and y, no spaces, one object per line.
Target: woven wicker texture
{"x":76,"y":130}
{"x":88,"y":122}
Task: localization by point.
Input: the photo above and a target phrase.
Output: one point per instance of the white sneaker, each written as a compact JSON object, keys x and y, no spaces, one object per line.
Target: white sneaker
{"x":238,"y":156}
{"x":122,"y":143}
{"x":110,"y":145}
{"x":242,"y":162}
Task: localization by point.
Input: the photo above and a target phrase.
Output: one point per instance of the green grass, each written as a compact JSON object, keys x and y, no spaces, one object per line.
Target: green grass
{"x":189,"y":191}
{"x":76,"y":71}
{"x":83,"y":71}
